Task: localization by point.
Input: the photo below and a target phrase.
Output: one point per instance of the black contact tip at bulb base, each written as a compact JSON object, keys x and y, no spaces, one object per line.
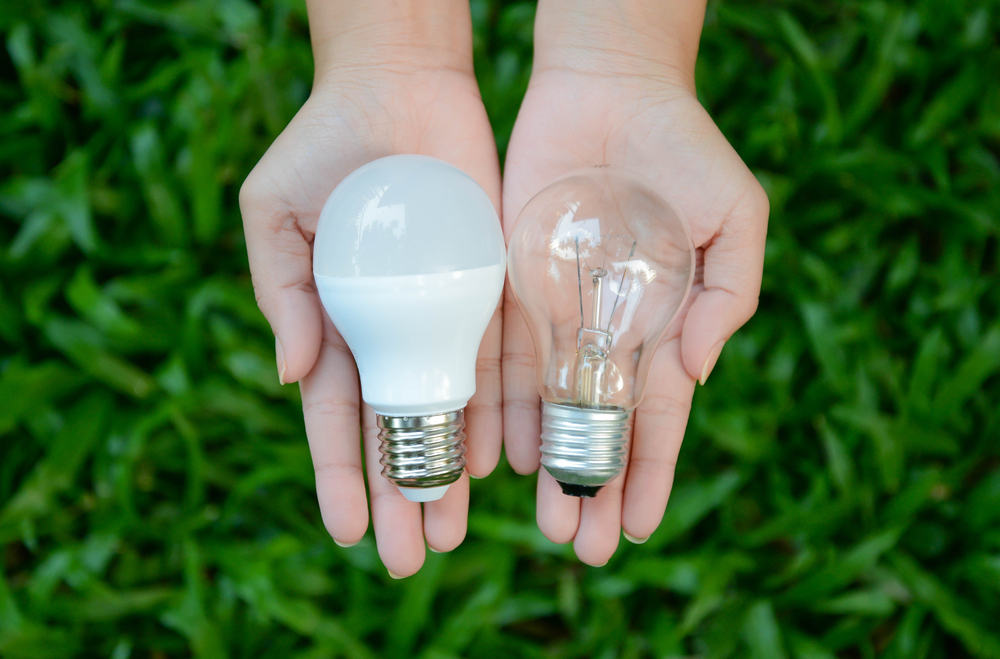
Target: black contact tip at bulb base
{"x":582,"y":491}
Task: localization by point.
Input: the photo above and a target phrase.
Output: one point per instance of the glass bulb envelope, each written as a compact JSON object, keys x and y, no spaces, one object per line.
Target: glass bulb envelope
{"x":600,"y":264}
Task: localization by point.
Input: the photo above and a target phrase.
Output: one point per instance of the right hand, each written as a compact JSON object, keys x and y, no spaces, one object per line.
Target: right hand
{"x":368,"y":101}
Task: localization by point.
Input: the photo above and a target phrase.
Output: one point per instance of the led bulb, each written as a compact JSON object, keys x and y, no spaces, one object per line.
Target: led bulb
{"x":409,"y":262}
{"x":600,"y":265}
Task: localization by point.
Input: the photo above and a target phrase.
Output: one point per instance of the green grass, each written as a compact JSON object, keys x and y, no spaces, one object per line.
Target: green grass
{"x":838,"y":493}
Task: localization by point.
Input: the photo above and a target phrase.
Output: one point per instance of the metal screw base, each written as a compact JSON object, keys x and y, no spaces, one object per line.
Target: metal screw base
{"x":583,"y":449}
{"x":422,"y":451}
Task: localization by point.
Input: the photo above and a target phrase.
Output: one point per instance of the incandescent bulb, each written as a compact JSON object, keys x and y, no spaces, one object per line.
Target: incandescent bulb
{"x":599,"y":265}
{"x":409,"y":262}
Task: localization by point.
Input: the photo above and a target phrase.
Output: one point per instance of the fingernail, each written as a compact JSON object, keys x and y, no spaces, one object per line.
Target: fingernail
{"x":345,"y":545}
{"x":394,"y":576}
{"x":435,"y":550}
{"x":280,"y":355}
{"x":634,"y":540}
{"x":475,"y":478}
{"x":713,"y":357}
{"x":601,"y":565}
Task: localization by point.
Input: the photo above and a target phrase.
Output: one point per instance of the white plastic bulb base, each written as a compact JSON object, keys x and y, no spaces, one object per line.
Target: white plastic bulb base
{"x":423,"y":455}
{"x":584,"y":449}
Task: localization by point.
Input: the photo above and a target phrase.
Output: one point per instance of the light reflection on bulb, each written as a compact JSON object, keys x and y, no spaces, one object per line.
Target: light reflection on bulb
{"x":600,"y":265}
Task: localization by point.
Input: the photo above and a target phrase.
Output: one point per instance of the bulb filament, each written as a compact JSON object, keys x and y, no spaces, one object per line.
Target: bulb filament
{"x":593,"y":344}
{"x":597,"y":377}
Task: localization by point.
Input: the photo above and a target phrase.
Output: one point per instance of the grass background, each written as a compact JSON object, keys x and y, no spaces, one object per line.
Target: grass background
{"x":838,"y":493}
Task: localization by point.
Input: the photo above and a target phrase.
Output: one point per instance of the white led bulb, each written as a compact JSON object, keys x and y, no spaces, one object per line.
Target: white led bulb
{"x":409,"y":262}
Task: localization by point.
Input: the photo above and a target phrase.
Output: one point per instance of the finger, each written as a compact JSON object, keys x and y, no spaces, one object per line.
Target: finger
{"x":522,"y":421}
{"x":330,"y":404}
{"x":600,"y":524}
{"x":558,"y":515}
{"x":446,"y":520}
{"x":484,"y":413}
{"x":398,"y":523}
{"x":281,"y":270}
{"x":656,"y":441}
{"x":733,"y":264}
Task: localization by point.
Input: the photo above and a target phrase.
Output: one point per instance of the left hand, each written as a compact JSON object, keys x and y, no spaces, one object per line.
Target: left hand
{"x":591,"y":106}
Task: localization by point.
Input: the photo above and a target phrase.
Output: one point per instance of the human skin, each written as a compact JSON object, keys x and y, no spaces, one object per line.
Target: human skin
{"x":613,"y":83}
{"x":392,"y":76}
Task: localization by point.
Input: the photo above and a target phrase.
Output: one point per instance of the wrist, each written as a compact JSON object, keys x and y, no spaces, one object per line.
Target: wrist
{"x":642,"y":38}
{"x":396,"y":35}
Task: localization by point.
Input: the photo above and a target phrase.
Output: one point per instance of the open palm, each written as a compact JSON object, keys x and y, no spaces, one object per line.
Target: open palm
{"x":651,"y":125}
{"x":355,"y":116}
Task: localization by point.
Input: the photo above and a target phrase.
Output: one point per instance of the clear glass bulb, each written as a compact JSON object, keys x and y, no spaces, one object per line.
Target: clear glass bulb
{"x":600,"y":264}
{"x":409,"y":261}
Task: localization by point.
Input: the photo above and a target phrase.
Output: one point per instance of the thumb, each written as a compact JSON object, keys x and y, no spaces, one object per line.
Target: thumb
{"x":733,"y":265}
{"x":280,"y":257}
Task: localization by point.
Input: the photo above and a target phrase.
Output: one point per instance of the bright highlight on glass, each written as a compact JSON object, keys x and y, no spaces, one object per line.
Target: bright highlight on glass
{"x":600,"y":264}
{"x":409,"y":262}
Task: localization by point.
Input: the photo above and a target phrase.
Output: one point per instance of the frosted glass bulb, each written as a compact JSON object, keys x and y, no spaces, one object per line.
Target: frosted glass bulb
{"x":409,"y":262}
{"x":599,"y":265}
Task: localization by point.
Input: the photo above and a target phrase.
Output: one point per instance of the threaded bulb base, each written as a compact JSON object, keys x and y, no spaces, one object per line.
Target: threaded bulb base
{"x":583,"y":449}
{"x":422,"y":455}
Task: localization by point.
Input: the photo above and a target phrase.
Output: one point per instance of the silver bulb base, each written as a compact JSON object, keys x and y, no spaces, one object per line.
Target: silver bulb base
{"x":422,"y":455}
{"x":583,"y":449}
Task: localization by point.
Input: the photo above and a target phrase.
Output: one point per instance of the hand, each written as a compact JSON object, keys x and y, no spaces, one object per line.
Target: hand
{"x":371,"y":102}
{"x":587,"y":106}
